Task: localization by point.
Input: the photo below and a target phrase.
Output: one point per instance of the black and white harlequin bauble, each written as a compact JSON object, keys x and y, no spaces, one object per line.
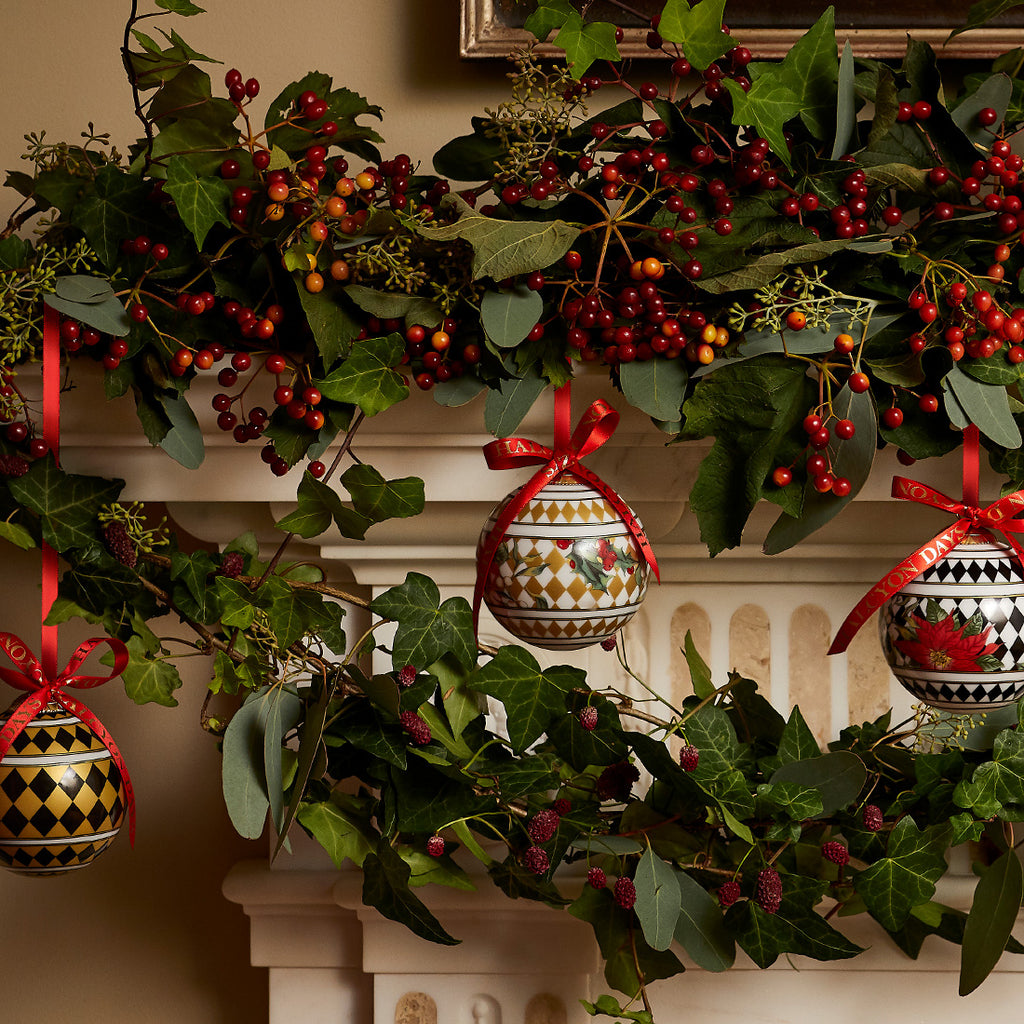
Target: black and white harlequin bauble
{"x":568,"y":572}
{"x":954,"y":636}
{"x":62,"y":799}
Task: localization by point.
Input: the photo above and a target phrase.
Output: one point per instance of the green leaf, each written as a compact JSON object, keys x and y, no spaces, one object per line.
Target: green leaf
{"x":17,"y":535}
{"x":319,"y":505}
{"x":798,"y":742}
{"x":698,"y":30}
{"x":986,"y":406}
{"x":183,"y":7}
{"x":584,"y":43}
{"x":149,"y":680}
{"x":427,"y":628}
{"x":337,"y":832}
{"x":367,"y":377}
{"x":507,"y":316}
{"x":991,"y":919}
{"x":655,"y":386}
{"x":906,"y":876}
{"x":115,"y":209}
{"x":507,"y":404}
{"x":609,"y":1006}
{"x":532,"y":698}
{"x":184,"y":441}
{"x":201,"y":201}
{"x":549,"y":15}
{"x":657,"y":899}
{"x":838,"y":776}
{"x":378,"y":499}
{"x":700,"y":674}
{"x":846,"y":114}
{"x":386,"y":888}
{"x":701,"y":929}
{"x":996,"y":787}
{"x":852,"y":458}
{"x":413,"y":309}
{"x":108,"y":316}
{"x":983,"y":12}
{"x":758,"y":271}
{"x":68,"y":503}
{"x":281,"y":713}
{"x":767,"y":105}
{"x":242,"y":777}
{"x":995,"y":92}
{"x":505,"y":248}
{"x":334,"y":329}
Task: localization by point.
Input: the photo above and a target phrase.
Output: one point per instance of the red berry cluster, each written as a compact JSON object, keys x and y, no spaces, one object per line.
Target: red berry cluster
{"x":768,"y":890}
{"x":836,"y":852}
{"x":728,"y":893}
{"x":416,"y":727}
{"x":689,"y":757}
{"x":434,"y":356}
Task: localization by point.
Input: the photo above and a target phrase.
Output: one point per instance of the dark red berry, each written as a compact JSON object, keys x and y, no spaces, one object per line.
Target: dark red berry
{"x":728,"y":893}
{"x":624,"y":893}
{"x":119,"y":544}
{"x":542,"y":826}
{"x":688,"y":757}
{"x":835,"y":852}
{"x":536,"y":860}
{"x":596,"y":878}
{"x":872,"y":817}
{"x":588,"y":718}
{"x":418,"y":730}
{"x":407,"y":675}
{"x":435,"y":846}
{"x":232,"y":565}
{"x":768,"y":891}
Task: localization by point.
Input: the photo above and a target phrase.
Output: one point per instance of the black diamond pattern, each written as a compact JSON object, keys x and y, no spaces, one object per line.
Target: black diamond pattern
{"x":13,"y":822}
{"x":13,"y":785}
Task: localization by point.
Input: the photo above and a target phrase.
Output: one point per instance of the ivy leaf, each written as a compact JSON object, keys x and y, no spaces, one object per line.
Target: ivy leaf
{"x":991,"y":919}
{"x":531,"y":697}
{"x":334,"y":329}
{"x":68,"y":503}
{"x":505,"y":248}
{"x":700,"y":674}
{"x":183,"y":7}
{"x":983,"y":12}
{"x":655,"y":386}
{"x":319,"y":506}
{"x":995,"y":787}
{"x":427,"y":629}
{"x":378,"y":499}
{"x":337,"y":832}
{"x":768,"y":105}
{"x":584,"y":43}
{"x":549,"y":15}
{"x":698,"y":30}
{"x":114,"y":210}
{"x":797,"y":742}
{"x":838,"y":776}
{"x":701,"y":929}
{"x":906,"y":876}
{"x":148,"y":679}
{"x":367,"y":377}
{"x":201,"y":201}
{"x":17,"y":535}
{"x":386,"y":888}
{"x":509,"y":315}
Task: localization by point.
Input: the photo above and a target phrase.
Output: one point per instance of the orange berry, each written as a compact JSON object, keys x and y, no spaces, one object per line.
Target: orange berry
{"x":314,"y":282}
{"x":344,"y":187}
{"x":721,"y":338}
{"x":796,"y":320}
{"x":336,"y":207}
{"x":340,"y":270}
{"x":274,"y":211}
{"x":318,"y":231}
{"x":653,"y":268}
{"x":365,"y":181}
{"x":705,"y":354}
{"x":709,"y":333}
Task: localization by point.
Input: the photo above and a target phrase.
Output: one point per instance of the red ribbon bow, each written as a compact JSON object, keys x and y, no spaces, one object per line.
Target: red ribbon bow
{"x":30,"y":676}
{"x":595,"y":427}
{"x":998,"y":517}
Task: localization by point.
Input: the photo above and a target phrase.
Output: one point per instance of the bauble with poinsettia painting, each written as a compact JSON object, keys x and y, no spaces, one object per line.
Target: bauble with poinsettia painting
{"x":62,"y":797}
{"x":568,"y":573}
{"x":954,"y":636}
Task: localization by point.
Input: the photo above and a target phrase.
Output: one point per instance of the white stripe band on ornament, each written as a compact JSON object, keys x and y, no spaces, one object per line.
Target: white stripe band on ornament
{"x":611,"y":612}
{"x":91,"y":838}
{"x":46,"y":760}
{"x":568,"y":531}
{"x":946,"y":589}
{"x":980,"y":679}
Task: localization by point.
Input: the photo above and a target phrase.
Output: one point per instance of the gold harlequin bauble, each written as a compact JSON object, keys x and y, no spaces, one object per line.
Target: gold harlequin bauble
{"x":568,"y":573}
{"x":62,"y":799}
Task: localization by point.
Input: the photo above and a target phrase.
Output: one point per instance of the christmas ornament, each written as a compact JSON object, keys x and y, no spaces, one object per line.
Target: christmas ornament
{"x":562,"y":562}
{"x":64,"y":786}
{"x":951,"y":615}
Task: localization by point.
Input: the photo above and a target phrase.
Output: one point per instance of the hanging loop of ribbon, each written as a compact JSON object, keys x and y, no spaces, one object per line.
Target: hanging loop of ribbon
{"x":29,"y":675}
{"x":999,"y":517}
{"x":594,"y":429}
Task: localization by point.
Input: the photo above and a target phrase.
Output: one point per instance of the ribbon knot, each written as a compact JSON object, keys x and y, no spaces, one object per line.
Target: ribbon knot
{"x":594,"y":429}
{"x":999,"y":517}
{"x":40,"y":691}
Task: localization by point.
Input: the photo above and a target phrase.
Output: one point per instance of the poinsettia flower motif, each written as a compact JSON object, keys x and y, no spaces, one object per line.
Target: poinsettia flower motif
{"x":942,"y":645}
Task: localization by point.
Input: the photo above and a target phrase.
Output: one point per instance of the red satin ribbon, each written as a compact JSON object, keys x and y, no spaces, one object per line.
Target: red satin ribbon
{"x":51,"y":435}
{"x":42,"y":689}
{"x":595,"y":427}
{"x":999,"y":517}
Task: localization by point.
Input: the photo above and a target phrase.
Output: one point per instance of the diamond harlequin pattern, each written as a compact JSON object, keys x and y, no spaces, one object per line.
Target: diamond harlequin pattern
{"x":59,"y":807}
{"x":568,"y":573}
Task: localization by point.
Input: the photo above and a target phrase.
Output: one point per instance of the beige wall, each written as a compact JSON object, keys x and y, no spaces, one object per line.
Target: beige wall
{"x":146,"y":935}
